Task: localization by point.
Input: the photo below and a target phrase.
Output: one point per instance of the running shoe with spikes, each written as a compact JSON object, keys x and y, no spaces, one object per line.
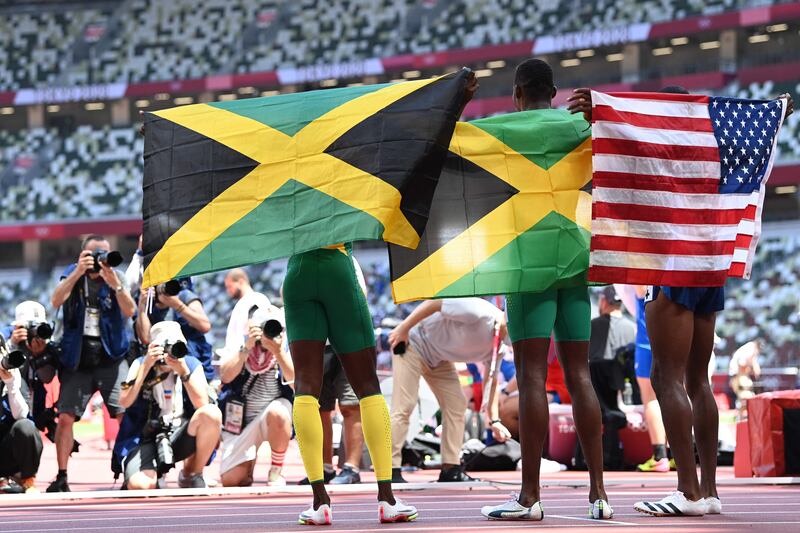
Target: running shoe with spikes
{"x":674,"y":504}
{"x":651,"y":465}
{"x":513,"y":510}
{"x":322,"y":516}
{"x":399,"y":512}
{"x":713,"y":505}
{"x":601,"y":510}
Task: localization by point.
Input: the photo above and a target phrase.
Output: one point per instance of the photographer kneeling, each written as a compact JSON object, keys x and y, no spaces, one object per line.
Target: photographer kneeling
{"x":20,"y":442}
{"x":257,"y":400}
{"x":168,"y":417}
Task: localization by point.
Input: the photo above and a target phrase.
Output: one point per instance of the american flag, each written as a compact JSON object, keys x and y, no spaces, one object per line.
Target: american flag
{"x":678,"y":186}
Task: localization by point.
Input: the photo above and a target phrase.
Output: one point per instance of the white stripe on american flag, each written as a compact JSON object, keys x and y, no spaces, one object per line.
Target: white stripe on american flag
{"x":608,"y":258}
{"x":740,"y":255}
{"x":616,"y":130}
{"x":662,"y":231}
{"x":652,"y":166}
{"x":675,"y":200}
{"x":659,"y":108}
{"x":747,"y":227}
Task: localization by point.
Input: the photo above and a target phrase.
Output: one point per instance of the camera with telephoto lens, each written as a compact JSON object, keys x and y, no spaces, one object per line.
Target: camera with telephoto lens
{"x":105,"y":257}
{"x":10,"y":360}
{"x":170,"y":288}
{"x":160,"y":432}
{"x":272,"y":327}
{"x":36,"y":330}
{"x":175,"y":350}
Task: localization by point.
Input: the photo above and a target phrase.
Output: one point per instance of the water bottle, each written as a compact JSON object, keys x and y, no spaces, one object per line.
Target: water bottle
{"x":627,"y":393}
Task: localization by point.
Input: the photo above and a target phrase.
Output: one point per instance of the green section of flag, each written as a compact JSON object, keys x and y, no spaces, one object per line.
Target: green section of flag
{"x":289,"y":113}
{"x":531,"y":262}
{"x":291,"y":219}
{"x":543,"y":136}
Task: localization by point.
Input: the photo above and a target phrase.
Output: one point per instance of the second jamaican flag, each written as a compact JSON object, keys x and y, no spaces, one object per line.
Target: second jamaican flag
{"x":233,"y":183}
{"x":509,"y":214}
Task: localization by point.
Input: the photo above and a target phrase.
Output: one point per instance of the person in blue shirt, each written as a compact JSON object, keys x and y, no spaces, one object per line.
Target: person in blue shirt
{"x":96,"y":306}
{"x":166,"y":400}
{"x":186,"y":309}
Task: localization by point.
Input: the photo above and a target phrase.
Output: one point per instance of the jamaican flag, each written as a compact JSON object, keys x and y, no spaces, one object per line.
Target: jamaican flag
{"x":233,"y":183}
{"x":509,"y":214}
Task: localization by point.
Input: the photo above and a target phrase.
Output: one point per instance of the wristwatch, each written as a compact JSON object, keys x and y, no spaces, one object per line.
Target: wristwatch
{"x":118,"y":288}
{"x":495,"y":421}
{"x":186,"y":377}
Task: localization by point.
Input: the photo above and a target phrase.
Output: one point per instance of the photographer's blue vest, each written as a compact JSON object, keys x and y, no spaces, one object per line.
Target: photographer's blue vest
{"x":136,"y":417}
{"x":113,"y":324}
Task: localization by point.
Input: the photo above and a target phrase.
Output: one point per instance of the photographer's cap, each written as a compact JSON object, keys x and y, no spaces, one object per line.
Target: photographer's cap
{"x":264,"y":313}
{"x":29,"y":311}
{"x":167,"y":332}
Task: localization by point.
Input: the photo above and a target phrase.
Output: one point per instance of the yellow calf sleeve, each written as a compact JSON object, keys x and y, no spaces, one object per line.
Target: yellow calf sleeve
{"x":308,"y":428}
{"x":377,"y":429}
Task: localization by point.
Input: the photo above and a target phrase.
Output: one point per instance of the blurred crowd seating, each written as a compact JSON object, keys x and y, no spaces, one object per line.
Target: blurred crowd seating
{"x":342,"y":32}
{"x":148,"y":40}
{"x":766,"y":307}
{"x":37,"y":45}
{"x":92,"y":172}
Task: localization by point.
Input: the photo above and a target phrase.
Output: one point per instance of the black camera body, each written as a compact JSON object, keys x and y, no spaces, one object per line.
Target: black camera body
{"x":105,"y":257}
{"x":170,"y":288}
{"x":39,"y":330}
{"x":272,"y":328}
{"x":11,"y":360}
{"x":160,"y":433}
{"x":176,"y":350}
{"x":36,"y":330}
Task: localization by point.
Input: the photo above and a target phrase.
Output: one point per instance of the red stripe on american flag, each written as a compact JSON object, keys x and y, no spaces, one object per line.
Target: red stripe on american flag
{"x":660,"y":246}
{"x":671,"y":278}
{"x":669,"y":97}
{"x":659,"y":151}
{"x":743,"y":241}
{"x":736,"y":270}
{"x":609,"y":114}
{"x":623,"y":180}
{"x":648,"y":213}
{"x":749,"y":212}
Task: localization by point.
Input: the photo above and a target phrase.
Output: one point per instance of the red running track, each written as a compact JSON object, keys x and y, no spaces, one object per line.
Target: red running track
{"x":751,"y":508}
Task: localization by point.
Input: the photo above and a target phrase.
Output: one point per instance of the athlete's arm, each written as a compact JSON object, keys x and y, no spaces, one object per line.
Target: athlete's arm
{"x":499,"y":431}
{"x":789,"y":105}
{"x":581,"y":102}
{"x":423,"y":311}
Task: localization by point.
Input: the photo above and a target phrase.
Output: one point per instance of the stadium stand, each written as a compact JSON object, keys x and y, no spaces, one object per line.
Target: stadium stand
{"x":342,"y":32}
{"x":767,"y":306}
{"x":37,"y":45}
{"x":150,"y":40}
{"x":173,"y":40}
{"x":94,"y":172}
